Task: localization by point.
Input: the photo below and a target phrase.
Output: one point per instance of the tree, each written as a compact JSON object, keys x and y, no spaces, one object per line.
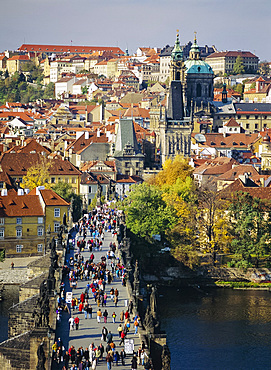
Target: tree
{"x":146,"y":212}
{"x":66,"y":192}
{"x":173,"y":170}
{"x":37,"y":175}
{"x":264,"y":68}
{"x":238,"y":67}
{"x":251,"y":230}
{"x":49,"y":91}
{"x":84,"y":89}
{"x":213,"y":222}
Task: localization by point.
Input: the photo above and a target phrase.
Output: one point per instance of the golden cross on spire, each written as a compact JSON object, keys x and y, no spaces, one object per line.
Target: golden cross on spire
{"x":195,"y":37}
{"x":177,"y":33}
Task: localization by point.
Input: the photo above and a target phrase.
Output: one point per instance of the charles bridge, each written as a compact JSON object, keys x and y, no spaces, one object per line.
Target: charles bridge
{"x":32,"y":322}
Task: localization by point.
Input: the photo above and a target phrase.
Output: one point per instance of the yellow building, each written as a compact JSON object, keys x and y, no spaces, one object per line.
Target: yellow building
{"x":14,"y":64}
{"x":55,"y":209}
{"x":112,"y":68}
{"x":15,"y":165}
{"x":26,"y":219}
{"x":22,"y":222}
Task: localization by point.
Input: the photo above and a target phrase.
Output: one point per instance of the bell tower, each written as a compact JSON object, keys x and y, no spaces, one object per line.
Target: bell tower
{"x":177,"y":67}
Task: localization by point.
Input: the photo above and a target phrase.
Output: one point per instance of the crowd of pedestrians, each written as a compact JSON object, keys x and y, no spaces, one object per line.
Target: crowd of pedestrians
{"x":98,"y":277}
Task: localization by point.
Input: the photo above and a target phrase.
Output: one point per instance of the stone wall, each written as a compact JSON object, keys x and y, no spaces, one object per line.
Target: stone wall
{"x":19,"y":352}
{"x":21,"y":317}
{"x":15,"y":353}
{"x":32,"y":287}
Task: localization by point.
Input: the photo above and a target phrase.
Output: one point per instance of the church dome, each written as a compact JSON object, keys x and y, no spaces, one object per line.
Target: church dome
{"x":197,"y":67}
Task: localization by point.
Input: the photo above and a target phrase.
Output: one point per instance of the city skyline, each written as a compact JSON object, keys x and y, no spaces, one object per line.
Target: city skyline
{"x":231,"y":25}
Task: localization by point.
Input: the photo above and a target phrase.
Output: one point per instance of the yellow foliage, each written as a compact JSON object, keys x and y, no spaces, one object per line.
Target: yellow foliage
{"x":37,"y":175}
{"x":178,"y":168}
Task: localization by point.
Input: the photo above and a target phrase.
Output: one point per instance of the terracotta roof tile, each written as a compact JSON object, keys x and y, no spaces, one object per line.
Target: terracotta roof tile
{"x":14,"y":205}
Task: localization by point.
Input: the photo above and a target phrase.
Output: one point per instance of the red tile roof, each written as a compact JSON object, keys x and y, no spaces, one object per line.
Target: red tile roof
{"x":232,"y":123}
{"x":14,"y":205}
{"x":52,"y":199}
{"x":244,"y":54}
{"x":71,"y":49}
{"x":17,"y":164}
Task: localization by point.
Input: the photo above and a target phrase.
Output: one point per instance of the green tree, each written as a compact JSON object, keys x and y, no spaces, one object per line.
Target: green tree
{"x":49,"y":91}
{"x":251,"y":230}
{"x":84,"y":89}
{"x":238,"y":67}
{"x":147,"y":213}
{"x":264,"y":68}
{"x":66,"y":192}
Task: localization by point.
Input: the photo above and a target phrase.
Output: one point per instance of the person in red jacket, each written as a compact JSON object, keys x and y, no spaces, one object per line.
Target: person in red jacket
{"x":122,"y":335}
{"x":76,"y":321}
{"x":82,"y":297}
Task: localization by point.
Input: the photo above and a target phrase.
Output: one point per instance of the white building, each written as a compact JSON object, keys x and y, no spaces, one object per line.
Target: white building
{"x":65,"y":84}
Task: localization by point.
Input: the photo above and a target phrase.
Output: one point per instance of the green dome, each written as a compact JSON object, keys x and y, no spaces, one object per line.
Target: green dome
{"x":177,"y":53}
{"x":197,"y":66}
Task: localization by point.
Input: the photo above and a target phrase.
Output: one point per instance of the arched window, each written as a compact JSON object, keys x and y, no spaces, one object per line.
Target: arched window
{"x":198,"y":90}
{"x":178,"y":75}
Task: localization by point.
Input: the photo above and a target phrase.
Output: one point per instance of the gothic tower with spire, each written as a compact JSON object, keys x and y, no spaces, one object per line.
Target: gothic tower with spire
{"x":175,"y":127}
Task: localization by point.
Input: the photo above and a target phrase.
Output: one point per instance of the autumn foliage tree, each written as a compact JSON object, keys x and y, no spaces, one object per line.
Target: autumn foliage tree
{"x":37,"y":175}
{"x":251,"y":230}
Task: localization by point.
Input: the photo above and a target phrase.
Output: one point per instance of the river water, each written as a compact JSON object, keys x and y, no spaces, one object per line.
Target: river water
{"x":217,"y":328}
{"x":11,"y":297}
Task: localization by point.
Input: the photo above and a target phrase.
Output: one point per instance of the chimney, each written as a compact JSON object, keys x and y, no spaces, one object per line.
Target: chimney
{"x":86,"y":135}
{"x":98,"y":133}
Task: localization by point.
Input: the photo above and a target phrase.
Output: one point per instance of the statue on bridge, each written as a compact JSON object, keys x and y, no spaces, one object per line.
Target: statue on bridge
{"x":41,"y":357}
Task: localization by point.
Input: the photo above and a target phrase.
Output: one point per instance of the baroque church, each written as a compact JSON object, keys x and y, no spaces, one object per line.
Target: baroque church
{"x":190,"y":92}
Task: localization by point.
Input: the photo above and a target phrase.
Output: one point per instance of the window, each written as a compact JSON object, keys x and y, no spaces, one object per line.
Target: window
{"x":40,"y":231}
{"x":19,"y":221}
{"x":89,"y":189}
{"x":256,"y":126}
{"x":53,"y":180}
{"x":2,"y":221}
{"x":247,"y":125}
{"x":19,"y":232}
{"x":40,"y":248}
{"x":19,"y":248}
{"x":56,"y":227}
{"x":74,"y":180}
{"x":40,"y":220}
{"x":2,"y":233}
{"x":57,"y":212}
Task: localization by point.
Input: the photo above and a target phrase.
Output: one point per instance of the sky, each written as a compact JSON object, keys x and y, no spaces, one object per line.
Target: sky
{"x":227,"y":24}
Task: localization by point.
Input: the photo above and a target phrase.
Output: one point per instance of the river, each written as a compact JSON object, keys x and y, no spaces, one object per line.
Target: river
{"x":11,"y":297}
{"x":217,"y":328}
